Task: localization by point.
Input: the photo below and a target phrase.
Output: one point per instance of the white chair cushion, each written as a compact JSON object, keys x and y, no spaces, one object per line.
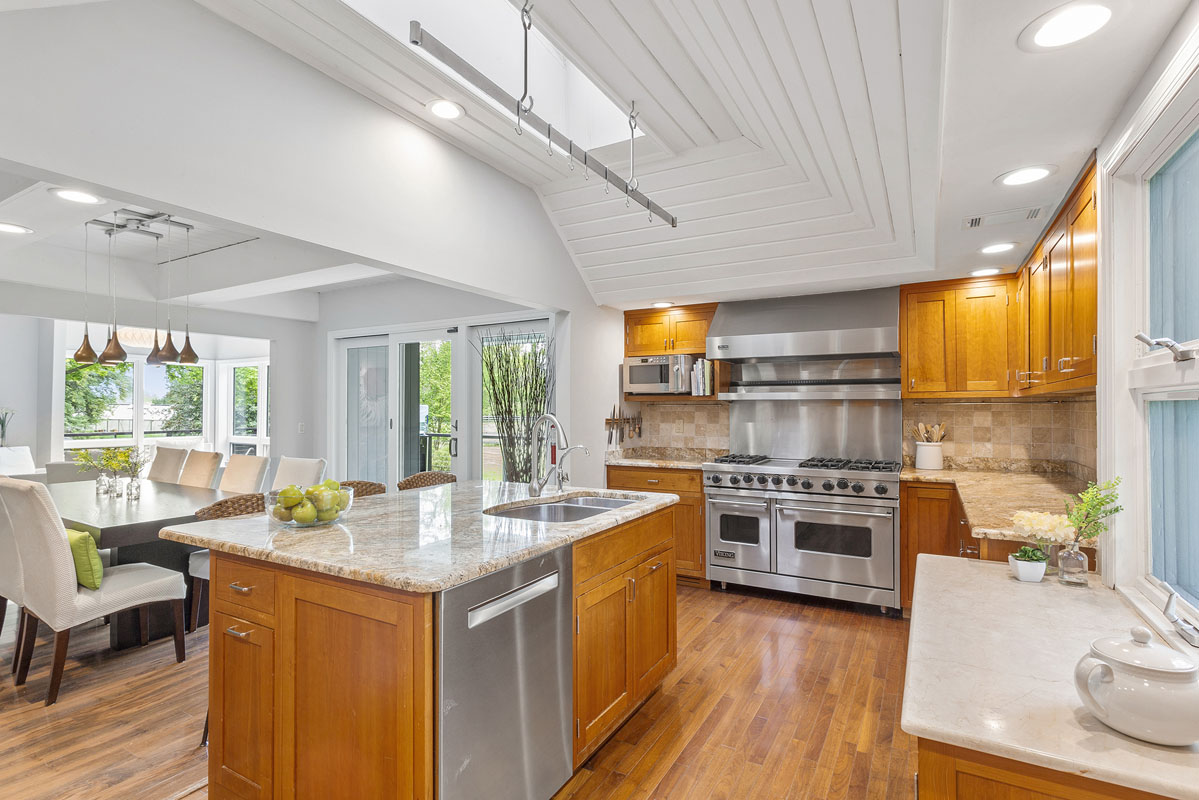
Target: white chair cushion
{"x":198,"y":564}
{"x":123,"y":586}
{"x":168,"y":463}
{"x":298,"y":471}
{"x":200,"y":469}
{"x":244,"y":474}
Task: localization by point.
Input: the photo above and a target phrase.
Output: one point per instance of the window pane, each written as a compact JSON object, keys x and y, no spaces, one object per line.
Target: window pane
{"x":1173,"y":471}
{"x":236,"y":449}
{"x":1174,"y":246}
{"x":173,"y":402}
{"x":366,"y":413}
{"x":435,"y":361}
{"x":98,"y":401}
{"x":514,"y":367}
{"x":245,"y":401}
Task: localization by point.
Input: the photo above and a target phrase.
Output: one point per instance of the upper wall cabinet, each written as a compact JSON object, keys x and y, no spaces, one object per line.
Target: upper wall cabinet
{"x":660,"y":331}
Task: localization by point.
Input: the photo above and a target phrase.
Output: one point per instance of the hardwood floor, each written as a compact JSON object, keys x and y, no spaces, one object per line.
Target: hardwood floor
{"x":773,"y":697}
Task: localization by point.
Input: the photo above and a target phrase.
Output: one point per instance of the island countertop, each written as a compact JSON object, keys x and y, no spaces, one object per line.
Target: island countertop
{"x":991,"y":668}
{"x":419,"y":540}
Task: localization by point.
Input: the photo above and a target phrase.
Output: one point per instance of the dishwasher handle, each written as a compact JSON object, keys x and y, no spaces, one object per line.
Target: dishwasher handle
{"x":497,"y":606}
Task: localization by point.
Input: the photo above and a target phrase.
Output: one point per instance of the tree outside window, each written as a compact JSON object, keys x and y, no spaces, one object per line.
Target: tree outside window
{"x":98,"y":400}
{"x":245,"y":401}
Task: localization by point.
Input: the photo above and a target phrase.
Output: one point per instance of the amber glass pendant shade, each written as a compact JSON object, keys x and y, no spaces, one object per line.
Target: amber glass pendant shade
{"x":153,"y":357}
{"x":168,"y":354}
{"x":187,"y":355}
{"x":85,"y":354}
{"x":113,"y":352}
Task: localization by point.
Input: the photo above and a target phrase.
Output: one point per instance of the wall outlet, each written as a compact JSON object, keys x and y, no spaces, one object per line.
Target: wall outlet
{"x":301,"y":428}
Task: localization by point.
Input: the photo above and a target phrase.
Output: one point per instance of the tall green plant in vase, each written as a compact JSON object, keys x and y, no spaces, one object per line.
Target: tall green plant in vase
{"x":1088,"y":514}
{"x":518,"y":387}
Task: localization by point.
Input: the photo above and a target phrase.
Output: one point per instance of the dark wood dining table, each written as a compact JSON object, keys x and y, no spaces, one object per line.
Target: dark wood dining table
{"x":129,"y":528}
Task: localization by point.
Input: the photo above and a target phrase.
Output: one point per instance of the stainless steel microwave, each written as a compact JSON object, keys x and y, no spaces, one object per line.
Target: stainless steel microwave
{"x":658,"y":374}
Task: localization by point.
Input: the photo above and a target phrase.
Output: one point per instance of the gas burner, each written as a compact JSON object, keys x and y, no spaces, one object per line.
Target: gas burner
{"x":868,"y":465}
{"x":740,"y":458}
{"x":822,"y":462}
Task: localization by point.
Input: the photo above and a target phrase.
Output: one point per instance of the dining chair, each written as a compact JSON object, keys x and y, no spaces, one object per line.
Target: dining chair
{"x":199,"y":469}
{"x":364,"y":488}
{"x":199,"y":563}
{"x":167,"y":464}
{"x":53,"y":594}
{"x":244,"y":474}
{"x":12,"y":587}
{"x":298,"y":472}
{"x":69,"y":472}
{"x":422,"y":480}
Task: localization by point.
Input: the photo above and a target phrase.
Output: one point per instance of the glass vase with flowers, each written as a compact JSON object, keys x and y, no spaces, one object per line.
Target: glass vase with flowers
{"x":1087,"y":513}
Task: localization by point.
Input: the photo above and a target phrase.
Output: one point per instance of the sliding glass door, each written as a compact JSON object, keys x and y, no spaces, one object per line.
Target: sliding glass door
{"x":365,"y":409}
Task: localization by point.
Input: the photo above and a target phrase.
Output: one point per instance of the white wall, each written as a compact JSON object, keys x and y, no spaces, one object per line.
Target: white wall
{"x":225,"y":125}
{"x":19,"y":351}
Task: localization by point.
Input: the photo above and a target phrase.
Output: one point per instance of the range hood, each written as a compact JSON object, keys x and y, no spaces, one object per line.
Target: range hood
{"x":862,"y":324}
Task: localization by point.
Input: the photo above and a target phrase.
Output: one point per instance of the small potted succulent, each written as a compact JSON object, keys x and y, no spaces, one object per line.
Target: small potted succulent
{"x":1028,"y":564}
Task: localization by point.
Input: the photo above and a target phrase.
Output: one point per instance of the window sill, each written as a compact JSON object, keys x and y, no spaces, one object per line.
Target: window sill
{"x":1147,"y":601}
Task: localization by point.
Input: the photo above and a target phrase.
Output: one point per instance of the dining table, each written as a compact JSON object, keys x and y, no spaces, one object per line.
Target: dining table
{"x":129,"y":529}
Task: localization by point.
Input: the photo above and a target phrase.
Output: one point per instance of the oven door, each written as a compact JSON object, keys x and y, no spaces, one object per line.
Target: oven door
{"x":836,"y":542}
{"x":739,"y":532}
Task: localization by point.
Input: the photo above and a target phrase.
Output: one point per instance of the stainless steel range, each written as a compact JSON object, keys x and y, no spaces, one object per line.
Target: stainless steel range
{"x":818,"y":513}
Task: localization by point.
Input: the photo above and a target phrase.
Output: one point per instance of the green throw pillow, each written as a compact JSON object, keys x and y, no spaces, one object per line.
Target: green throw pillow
{"x":89,"y":570}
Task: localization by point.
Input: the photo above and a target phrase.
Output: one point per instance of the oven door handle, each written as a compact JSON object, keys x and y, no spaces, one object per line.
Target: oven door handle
{"x":717,"y":501}
{"x":782,"y":507}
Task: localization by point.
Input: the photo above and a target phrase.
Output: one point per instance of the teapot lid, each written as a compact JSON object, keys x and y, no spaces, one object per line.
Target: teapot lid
{"x":1143,"y":653}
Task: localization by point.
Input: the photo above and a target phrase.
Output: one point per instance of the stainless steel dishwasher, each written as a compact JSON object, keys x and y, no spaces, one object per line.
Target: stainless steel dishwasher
{"x":505,"y":676}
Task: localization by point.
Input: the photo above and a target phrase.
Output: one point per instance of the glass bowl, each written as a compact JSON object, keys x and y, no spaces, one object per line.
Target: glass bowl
{"x":320,"y":504}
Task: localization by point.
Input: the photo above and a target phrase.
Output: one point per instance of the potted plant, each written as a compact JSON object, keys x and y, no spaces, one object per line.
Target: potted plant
{"x":1047,"y":532}
{"x":1087,"y":514}
{"x":1028,"y":564}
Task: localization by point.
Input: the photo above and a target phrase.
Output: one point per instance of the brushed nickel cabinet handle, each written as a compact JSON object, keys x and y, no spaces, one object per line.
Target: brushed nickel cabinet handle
{"x":656,"y":567}
{"x":651,"y":480}
{"x":672,"y":344}
{"x":632,"y":589}
{"x":912,"y":383}
{"x":237,"y":587}
{"x":237,"y":633}
{"x":664,"y":341}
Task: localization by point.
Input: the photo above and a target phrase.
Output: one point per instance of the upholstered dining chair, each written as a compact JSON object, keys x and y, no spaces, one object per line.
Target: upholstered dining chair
{"x":199,"y":566}
{"x":68,"y":472}
{"x":167,"y":464}
{"x":298,"y":472}
{"x":422,"y":480}
{"x":199,"y":469}
{"x":244,"y":474}
{"x":52,"y":592}
{"x":364,"y":488}
{"x":12,"y":586}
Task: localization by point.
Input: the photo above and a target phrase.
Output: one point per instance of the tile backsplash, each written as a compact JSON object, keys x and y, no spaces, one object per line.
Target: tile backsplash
{"x":694,"y":426}
{"x":1056,"y":435}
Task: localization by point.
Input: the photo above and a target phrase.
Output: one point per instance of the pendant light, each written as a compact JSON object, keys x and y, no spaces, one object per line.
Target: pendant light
{"x":85,"y":354}
{"x":168,"y":354}
{"x":113,"y":352}
{"x":187,"y":355}
{"x":154,"y":357}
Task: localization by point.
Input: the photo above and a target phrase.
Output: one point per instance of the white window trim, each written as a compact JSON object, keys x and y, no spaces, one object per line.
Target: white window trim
{"x":1129,"y":373}
{"x":261,"y":440}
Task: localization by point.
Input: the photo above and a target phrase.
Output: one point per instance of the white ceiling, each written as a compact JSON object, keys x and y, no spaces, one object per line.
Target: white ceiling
{"x":799,"y":149}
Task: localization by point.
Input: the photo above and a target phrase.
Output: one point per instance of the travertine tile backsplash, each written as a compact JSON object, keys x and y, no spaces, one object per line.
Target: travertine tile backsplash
{"x":1056,"y":435}
{"x":695,"y":426}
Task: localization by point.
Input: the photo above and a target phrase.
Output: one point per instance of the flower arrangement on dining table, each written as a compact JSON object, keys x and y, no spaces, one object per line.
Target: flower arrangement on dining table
{"x":114,"y":462}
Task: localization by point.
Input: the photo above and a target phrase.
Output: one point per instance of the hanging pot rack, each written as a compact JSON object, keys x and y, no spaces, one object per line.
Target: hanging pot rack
{"x":523,"y":109}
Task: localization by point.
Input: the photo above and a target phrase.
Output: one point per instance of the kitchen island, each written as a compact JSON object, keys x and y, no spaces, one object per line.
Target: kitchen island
{"x":328,"y":673}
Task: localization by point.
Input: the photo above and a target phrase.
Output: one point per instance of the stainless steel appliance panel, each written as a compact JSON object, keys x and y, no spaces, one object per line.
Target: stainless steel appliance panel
{"x":802,"y":428}
{"x":658,"y":374}
{"x":840,"y":542}
{"x":739,"y":533}
{"x":505,"y":675}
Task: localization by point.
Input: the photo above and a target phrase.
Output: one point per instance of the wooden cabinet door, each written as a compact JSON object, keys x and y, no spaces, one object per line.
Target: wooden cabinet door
{"x":353,"y":713}
{"x":689,"y":535}
{"x":982,"y":338}
{"x":1021,"y":369}
{"x":646,"y":334}
{"x":929,"y":354}
{"x":603,"y":668}
{"x":689,"y":329}
{"x":1038,"y":323}
{"x":1084,"y":278}
{"x":1057,"y":254}
{"x":241,"y":673}
{"x":652,"y":623}
{"x":927,"y":525}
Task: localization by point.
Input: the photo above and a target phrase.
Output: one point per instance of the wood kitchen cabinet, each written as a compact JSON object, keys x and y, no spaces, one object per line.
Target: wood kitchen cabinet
{"x":663,"y":331}
{"x":928,"y":523}
{"x":241,"y":736}
{"x":689,"y":515}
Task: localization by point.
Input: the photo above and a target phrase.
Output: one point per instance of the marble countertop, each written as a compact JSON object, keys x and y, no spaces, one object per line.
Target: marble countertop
{"x":421,"y":540}
{"x":661,"y":457}
{"x":991,"y":668}
{"x":989,"y":499}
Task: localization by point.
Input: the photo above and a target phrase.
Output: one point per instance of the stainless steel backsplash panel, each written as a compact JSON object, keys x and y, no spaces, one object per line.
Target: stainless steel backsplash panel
{"x":802,"y":429}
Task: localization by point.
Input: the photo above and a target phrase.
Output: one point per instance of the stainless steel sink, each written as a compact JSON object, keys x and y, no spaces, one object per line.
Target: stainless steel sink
{"x":549,"y":512}
{"x":599,"y":502}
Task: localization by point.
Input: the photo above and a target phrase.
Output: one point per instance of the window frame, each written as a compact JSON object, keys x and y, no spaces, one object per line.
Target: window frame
{"x":261,"y":440}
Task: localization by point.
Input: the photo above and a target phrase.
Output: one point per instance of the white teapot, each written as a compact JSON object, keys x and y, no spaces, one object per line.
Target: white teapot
{"x":1141,"y":688}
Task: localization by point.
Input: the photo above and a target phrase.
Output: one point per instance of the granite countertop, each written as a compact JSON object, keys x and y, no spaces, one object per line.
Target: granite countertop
{"x":661,"y":457}
{"x":418,"y":541}
{"x":991,"y":668}
{"x":989,"y":499}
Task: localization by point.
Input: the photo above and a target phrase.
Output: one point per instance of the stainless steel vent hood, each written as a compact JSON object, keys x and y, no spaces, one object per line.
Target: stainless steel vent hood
{"x":861,"y":324}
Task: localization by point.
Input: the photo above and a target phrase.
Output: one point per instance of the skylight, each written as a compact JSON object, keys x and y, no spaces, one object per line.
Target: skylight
{"x":488,"y":34}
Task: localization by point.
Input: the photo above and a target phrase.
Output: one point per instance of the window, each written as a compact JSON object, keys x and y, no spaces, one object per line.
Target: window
{"x":1174,"y":246}
{"x":245,"y":401}
{"x":173,"y":401}
{"x":517,"y":370}
{"x":244,"y":396}
{"x":97,"y":402}
{"x":1173,"y":470}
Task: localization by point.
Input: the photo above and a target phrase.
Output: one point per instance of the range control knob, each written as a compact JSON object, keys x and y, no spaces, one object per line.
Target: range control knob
{"x":715,"y":479}
{"x":880,"y":488}
{"x":842,"y":484}
{"x":806,"y":483}
{"x":791,"y":481}
{"x":747,"y":478}
{"x":857,"y":487}
{"x":828,"y":486}
{"x":762,"y":480}
{"x":735,"y":480}
{"x":776,"y":480}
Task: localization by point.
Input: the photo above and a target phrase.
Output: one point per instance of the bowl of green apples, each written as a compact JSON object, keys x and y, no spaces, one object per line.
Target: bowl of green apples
{"x":318,"y":504}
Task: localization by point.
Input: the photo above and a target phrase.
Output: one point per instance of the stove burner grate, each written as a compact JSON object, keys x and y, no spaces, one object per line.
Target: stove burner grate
{"x":740,"y":458}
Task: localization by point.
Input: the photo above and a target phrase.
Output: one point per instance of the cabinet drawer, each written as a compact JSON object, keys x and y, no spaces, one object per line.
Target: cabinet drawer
{"x":642,"y":479}
{"x":606,"y":551}
{"x":243,"y":585}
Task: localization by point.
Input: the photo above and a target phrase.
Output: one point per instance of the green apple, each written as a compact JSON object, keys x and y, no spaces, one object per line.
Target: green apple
{"x":281,"y":513}
{"x":343,"y":499}
{"x":305,"y":513}
{"x":313,"y":489}
{"x":330,"y":515}
{"x":329,"y":483}
{"x":324,"y":500}
{"x":290,"y":496}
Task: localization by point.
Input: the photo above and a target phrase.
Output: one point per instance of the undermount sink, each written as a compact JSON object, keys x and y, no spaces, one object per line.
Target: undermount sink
{"x":599,"y":502}
{"x":572,"y":509}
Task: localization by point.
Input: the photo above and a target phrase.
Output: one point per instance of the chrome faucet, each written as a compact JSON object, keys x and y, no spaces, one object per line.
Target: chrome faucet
{"x":536,"y":484}
{"x":562,"y":461}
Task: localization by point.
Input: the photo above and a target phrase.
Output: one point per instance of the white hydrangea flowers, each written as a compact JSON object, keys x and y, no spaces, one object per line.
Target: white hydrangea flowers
{"x":1041,"y":527}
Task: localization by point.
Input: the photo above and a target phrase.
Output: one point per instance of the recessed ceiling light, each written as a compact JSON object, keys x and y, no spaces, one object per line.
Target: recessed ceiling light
{"x":1019,"y":177}
{"x":998,"y":247}
{"x":663,"y":304}
{"x":8,"y":227}
{"x":982,"y":273}
{"x":76,"y":196}
{"x":445,"y":109}
{"x":1064,"y":25}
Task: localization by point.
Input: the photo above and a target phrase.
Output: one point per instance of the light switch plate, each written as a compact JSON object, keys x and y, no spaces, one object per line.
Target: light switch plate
{"x":301,"y":427}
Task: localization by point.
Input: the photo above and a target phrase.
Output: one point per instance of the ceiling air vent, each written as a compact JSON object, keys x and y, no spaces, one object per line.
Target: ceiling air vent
{"x":1014,"y":215}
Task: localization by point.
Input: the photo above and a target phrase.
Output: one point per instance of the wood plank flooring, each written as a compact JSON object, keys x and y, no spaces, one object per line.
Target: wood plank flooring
{"x":773,"y":697}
